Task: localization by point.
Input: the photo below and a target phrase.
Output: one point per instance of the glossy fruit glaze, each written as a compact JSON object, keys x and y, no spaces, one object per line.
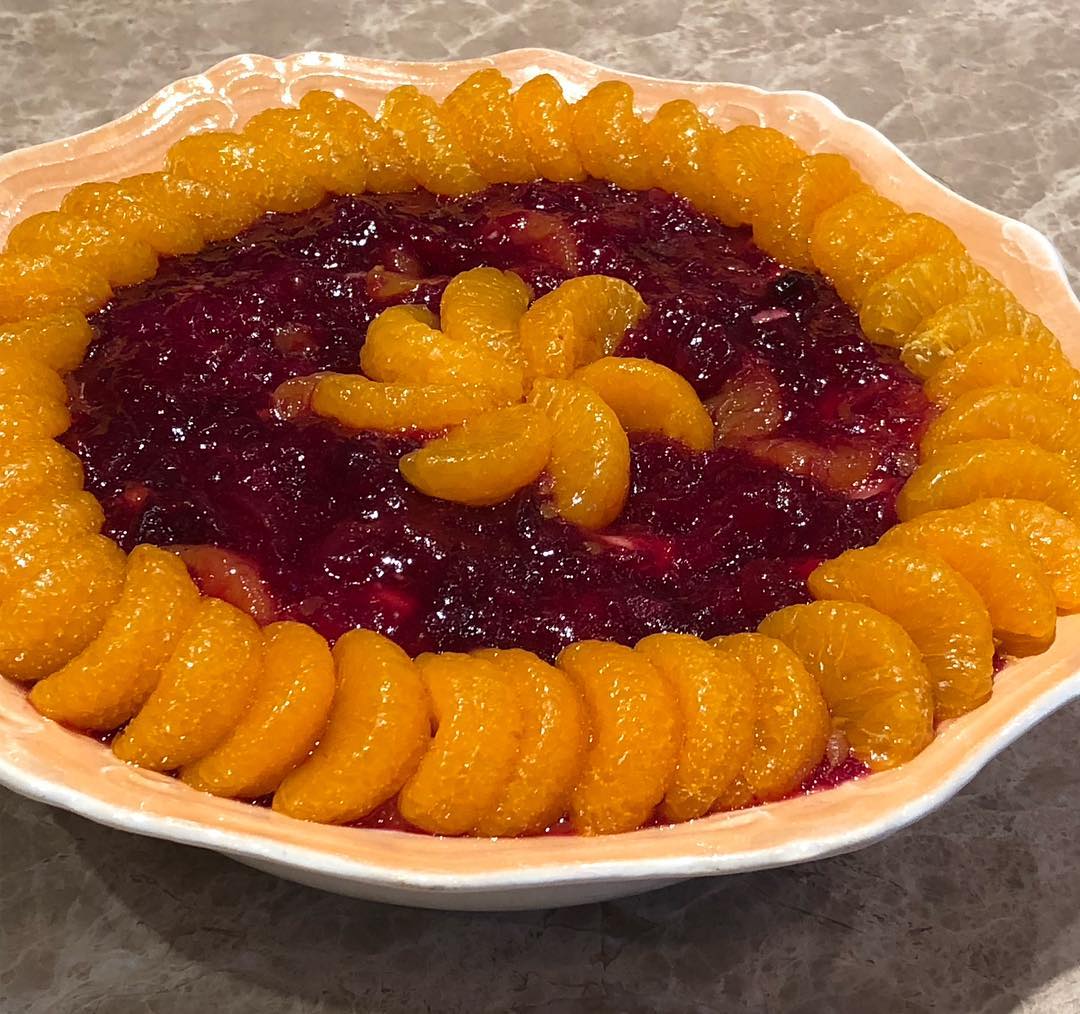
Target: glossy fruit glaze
{"x":173,"y":421}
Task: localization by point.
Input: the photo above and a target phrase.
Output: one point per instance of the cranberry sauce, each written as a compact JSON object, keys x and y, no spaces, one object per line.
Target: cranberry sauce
{"x":173,"y":424}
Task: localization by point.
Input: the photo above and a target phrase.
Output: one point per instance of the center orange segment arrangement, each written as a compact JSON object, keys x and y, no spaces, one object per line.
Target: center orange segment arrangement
{"x":512,"y":389}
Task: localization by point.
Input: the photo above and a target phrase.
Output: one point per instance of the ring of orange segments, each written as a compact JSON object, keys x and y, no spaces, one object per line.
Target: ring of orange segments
{"x":611,"y":733}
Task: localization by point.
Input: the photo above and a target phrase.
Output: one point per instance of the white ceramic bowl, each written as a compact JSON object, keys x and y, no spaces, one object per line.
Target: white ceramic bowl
{"x":44,"y":761}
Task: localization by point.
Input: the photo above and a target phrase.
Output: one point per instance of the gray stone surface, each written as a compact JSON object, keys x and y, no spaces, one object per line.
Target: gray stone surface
{"x":976,"y":909}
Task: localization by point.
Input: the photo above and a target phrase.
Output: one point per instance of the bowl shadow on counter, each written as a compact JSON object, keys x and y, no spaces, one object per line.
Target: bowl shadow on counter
{"x":972,"y":909}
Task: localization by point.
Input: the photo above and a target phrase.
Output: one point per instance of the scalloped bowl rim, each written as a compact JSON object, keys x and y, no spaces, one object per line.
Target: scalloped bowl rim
{"x":44,"y":761}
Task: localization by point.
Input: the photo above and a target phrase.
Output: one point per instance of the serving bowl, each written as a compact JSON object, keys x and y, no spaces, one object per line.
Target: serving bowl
{"x":45,"y":761}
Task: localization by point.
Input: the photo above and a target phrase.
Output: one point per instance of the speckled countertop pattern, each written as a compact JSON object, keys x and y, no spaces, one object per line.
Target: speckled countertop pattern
{"x":976,"y":909}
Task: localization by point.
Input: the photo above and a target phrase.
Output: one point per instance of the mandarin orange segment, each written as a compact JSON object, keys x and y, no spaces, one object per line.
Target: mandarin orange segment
{"x":59,"y":340}
{"x":293,"y":399}
{"x":258,"y":174}
{"x":1051,"y":538}
{"x":205,"y":686}
{"x":35,"y":285}
{"x":677,"y":142}
{"x":396,"y":323}
{"x":842,"y":467}
{"x":717,"y":699}
{"x":801,"y":191}
{"x":230,"y":576}
{"x":637,"y":736}
{"x":610,"y":137}
{"x":1006,"y":362}
{"x":545,"y":120}
{"x":218,"y":209}
{"x":483,"y":307}
{"x":384,"y":285}
{"x":995,"y":315}
{"x":363,"y":404}
{"x":1005,"y":413}
{"x":791,"y":723}
{"x":290,"y":133}
{"x":590,"y":454}
{"x":970,"y":321}
{"x":554,"y":739}
{"x":27,"y":415}
{"x":651,"y":398}
{"x":170,"y":208}
{"x":478,"y":738}
{"x":125,"y":211}
{"x":331,"y":157}
{"x":34,"y":531}
{"x":583,"y":319}
{"x":897,"y":305}
{"x":273,"y":125}
{"x":479,"y":114}
{"x":377,"y":731}
{"x":387,"y":168}
{"x":59,"y":606}
{"x":104,"y":685}
{"x":895,"y":241}
{"x":32,"y":398}
{"x":871,"y":675}
{"x":23,"y":374}
{"x":940,"y":610}
{"x":841,"y":231}
{"x":958,"y":474}
{"x":485,"y":460}
{"x":288,"y":163}
{"x":750,"y":404}
{"x":336,"y":131}
{"x":75,"y":510}
{"x":434,"y":156}
{"x":744,"y":163}
{"x":287,"y":713}
{"x":120,"y":260}
{"x":403,"y":346}
{"x":35,"y":468}
{"x":996,"y":563}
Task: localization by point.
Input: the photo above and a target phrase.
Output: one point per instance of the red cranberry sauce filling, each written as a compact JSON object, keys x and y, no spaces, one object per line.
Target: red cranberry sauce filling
{"x":173,"y":424}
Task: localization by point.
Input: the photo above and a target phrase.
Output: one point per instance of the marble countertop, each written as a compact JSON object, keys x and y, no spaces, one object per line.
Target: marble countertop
{"x":975,"y":909}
